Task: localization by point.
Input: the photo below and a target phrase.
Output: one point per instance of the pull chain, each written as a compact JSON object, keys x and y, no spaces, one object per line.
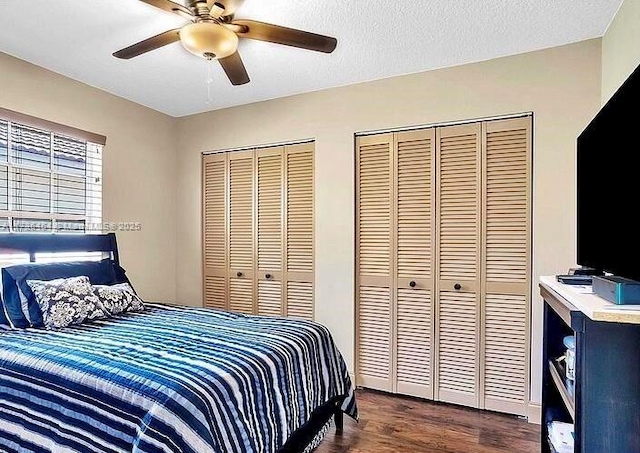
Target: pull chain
{"x":209,"y":80}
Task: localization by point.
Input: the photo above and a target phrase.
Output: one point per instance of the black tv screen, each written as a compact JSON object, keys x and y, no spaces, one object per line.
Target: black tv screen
{"x":609,"y":185}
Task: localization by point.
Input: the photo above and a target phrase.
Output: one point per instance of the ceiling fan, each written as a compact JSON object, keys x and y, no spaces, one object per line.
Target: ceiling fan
{"x":213,"y":34}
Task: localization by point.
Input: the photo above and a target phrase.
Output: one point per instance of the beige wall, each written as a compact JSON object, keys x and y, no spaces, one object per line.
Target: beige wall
{"x":620,"y":48}
{"x":560,"y":85}
{"x":139,"y":163}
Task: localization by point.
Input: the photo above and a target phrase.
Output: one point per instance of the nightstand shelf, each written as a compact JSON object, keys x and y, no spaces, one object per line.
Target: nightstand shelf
{"x":566,"y":390}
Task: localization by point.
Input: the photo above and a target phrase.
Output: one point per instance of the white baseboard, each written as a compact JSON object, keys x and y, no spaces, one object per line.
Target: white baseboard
{"x":534,"y":413}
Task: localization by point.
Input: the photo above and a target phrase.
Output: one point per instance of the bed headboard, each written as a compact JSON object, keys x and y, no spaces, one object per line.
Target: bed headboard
{"x":33,"y":243}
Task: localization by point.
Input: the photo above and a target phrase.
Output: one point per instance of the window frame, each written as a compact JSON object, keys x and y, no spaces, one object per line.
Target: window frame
{"x":93,"y":169}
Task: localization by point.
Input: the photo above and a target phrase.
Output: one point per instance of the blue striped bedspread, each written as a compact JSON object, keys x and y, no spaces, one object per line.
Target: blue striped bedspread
{"x":170,"y":379}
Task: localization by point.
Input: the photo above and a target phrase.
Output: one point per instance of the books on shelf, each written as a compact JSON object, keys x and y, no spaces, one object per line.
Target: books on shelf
{"x":561,"y":436}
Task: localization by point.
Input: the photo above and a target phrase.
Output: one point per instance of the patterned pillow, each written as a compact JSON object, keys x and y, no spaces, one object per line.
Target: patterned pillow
{"x":66,"y":301}
{"x":120,"y":298}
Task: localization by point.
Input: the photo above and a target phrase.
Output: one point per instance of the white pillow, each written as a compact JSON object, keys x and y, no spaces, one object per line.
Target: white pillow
{"x":116,"y":299}
{"x":66,"y":301}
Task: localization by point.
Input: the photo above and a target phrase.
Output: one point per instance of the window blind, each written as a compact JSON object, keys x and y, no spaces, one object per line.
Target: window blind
{"x":49,"y":182}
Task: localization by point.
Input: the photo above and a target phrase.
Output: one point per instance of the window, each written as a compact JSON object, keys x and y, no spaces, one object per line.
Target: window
{"x":49,"y":181}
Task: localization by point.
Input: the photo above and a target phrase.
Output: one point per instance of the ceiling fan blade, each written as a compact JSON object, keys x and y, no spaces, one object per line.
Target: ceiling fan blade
{"x":286,"y":36}
{"x":169,"y":6}
{"x":235,"y":70}
{"x":149,"y":44}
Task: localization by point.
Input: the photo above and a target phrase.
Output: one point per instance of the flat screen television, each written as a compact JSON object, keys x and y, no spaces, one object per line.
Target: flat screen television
{"x":609,"y":185}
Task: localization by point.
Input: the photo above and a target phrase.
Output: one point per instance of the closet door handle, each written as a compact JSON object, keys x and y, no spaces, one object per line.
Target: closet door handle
{"x":457,"y":286}
{"x":239,"y":274}
{"x":267,"y":276}
{"x":412,"y":284}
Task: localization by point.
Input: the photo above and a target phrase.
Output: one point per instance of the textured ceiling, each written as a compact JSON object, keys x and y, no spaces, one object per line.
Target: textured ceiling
{"x":376,"y":39}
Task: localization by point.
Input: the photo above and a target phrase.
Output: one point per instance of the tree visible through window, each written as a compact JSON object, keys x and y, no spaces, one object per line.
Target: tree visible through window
{"x":48,"y":182}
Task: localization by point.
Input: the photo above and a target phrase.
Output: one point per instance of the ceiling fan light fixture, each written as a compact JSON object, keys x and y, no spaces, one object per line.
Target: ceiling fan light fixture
{"x":208,"y":40}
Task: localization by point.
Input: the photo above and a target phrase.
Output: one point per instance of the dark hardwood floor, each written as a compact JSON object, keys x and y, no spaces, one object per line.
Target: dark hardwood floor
{"x":398,"y":424}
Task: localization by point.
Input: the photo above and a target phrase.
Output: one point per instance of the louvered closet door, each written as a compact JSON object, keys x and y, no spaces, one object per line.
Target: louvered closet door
{"x":415,"y":205}
{"x":241,"y":231}
{"x":507,"y":264}
{"x":458,"y":285}
{"x":375,"y":243}
{"x":270,"y":227}
{"x":299,"y":235}
{"x":214,"y":230}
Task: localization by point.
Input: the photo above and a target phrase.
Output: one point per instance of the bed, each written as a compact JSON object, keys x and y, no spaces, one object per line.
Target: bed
{"x":168,"y":378}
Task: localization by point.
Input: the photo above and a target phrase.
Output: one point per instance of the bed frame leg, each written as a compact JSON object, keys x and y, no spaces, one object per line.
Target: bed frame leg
{"x":338,"y":416}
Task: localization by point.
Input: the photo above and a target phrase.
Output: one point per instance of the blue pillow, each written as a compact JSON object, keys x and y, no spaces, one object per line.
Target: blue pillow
{"x":14,"y":277}
{"x":3,"y":319}
{"x":121,"y":277}
{"x":12,"y":303}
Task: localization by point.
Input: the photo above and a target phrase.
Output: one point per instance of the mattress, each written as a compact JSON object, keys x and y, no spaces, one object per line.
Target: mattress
{"x":169,"y":378}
